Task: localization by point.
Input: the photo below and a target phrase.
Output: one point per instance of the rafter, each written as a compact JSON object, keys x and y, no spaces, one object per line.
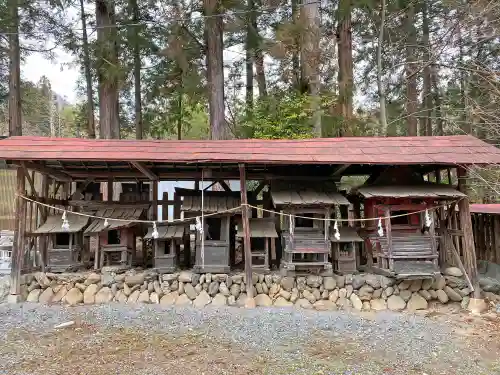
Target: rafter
{"x":55,"y":174}
{"x":144,"y":170}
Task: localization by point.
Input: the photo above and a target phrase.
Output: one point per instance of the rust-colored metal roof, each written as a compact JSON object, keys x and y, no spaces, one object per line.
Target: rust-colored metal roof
{"x":461,"y":149}
{"x":491,"y":208}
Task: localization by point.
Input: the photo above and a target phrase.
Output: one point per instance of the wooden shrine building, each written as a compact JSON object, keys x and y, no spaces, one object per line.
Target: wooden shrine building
{"x":64,"y":163}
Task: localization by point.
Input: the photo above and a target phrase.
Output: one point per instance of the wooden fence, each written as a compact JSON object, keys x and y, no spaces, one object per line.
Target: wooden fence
{"x":486,"y":228}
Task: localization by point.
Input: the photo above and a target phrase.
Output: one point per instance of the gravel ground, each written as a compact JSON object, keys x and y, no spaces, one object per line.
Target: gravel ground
{"x":149,"y":339}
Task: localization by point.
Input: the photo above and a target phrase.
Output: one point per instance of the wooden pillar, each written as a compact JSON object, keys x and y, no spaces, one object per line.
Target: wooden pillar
{"x":246,"y":231}
{"x":469,"y":250}
{"x":496,"y":238}
{"x":19,"y":234}
{"x":164,"y":209}
{"x":153,"y":214}
{"x":42,"y":214}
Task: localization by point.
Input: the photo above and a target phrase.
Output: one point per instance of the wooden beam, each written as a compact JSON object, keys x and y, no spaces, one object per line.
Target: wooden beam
{"x":144,"y":170}
{"x":260,"y":187}
{"x":341,"y":170}
{"x":30,"y":180}
{"x":246,"y":231}
{"x":18,"y":246}
{"x":469,"y":249}
{"x":55,"y":174}
{"x":224,"y":185}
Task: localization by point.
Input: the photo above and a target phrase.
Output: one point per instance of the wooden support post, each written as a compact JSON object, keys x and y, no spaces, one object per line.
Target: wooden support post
{"x":469,"y":250}
{"x":18,"y":248}
{"x":246,"y":231}
{"x":496,"y":237}
{"x":164,"y":209}
{"x":42,"y":214}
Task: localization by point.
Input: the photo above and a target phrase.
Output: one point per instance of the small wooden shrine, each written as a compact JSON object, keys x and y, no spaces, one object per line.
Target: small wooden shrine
{"x":65,"y":250}
{"x":167,"y":246}
{"x":306,"y":242}
{"x":404,"y":245}
{"x":212,"y":251}
{"x":116,"y":239}
{"x":345,"y":250}
{"x":262,"y":232}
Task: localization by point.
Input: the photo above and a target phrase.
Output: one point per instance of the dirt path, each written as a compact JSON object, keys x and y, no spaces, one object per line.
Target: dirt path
{"x":160,"y":342}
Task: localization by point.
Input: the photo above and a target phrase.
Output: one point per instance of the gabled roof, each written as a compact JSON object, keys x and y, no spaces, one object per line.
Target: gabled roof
{"x":259,"y":228}
{"x":167,"y":231}
{"x":53,"y":224}
{"x":302,"y":194}
{"x":347,"y":234}
{"x":411,"y":191}
{"x":117,"y":213}
{"x":460,"y":149}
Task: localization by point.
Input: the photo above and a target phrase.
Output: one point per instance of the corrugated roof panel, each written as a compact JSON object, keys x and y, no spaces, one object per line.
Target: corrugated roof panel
{"x":461,"y":149}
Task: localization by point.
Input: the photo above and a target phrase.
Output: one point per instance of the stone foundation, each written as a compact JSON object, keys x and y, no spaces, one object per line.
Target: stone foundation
{"x":360,"y":292}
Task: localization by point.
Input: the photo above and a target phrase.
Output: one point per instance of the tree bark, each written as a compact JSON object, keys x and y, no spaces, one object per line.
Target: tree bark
{"x":345,"y":74}
{"x":88,"y":74}
{"x":380,"y":72}
{"x":310,"y":59}
{"x":410,"y":69}
{"x":107,"y":70}
{"x":137,"y":71}
{"x":15,"y":119}
{"x":215,"y":69}
{"x":250,"y":53}
{"x":296,"y":66}
{"x":437,"y":100}
{"x":427,"y":89}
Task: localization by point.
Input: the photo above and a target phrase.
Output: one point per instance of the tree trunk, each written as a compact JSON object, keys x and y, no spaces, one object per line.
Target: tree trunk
{"x":88,"y":74}
{"x":345,"y":75}
{"x":380,"y":72}
{"x":310,"y":59}
{"x":296,"y":66}
{"x":215,"y":69}
{"x":410,"y":69}
{"x":437,"y":100}
{"x":137,"y":71}
{"x":107,"y":70}
{"x":259,"y":58}
{"x":250,"y":53}
{"x":427,"y":90}
{"x":15,"y":124}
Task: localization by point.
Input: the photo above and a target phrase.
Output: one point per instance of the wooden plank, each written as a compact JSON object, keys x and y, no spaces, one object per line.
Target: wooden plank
{"x":469,"y":251}
{"x":246,"y":229}
{"x":496,"y":235}
{"x":37,"y":167}
{"x":18,"y":245}
{"x":144,"y":170}
{"x":164,"y":209}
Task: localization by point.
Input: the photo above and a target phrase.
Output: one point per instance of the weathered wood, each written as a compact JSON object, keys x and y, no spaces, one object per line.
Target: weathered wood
{"x":164,"y":209}
{"x":57,"y":175}
{"x":496,"y":233}
{"x":246,"y":230}
{"x":42,"y":214}
{"x":18,"y":246}
{"x":469,"y":251}
{"x":388,"y":233}
{"x":145,"y":171}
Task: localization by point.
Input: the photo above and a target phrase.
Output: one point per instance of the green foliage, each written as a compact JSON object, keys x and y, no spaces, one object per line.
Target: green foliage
{"x":282,"y":115}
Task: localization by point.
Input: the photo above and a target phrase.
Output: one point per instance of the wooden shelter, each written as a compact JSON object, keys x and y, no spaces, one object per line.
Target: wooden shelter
{"x":116,"y":238}
{"x":306,"y":241}
{"x":262,"y":234}
{"x":406,"y":245}
{"x":62,"y":161}
{"x":486,"y":227}
{"x":65,"y":248}
{"x":212,"y":253}
{"x":167,"y":246}
{"x":345,"y":250}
